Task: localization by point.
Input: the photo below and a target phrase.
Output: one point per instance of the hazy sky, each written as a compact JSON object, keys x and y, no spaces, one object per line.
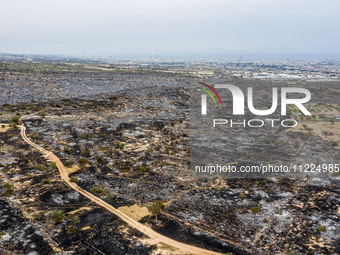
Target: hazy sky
{"x":166,"y":27}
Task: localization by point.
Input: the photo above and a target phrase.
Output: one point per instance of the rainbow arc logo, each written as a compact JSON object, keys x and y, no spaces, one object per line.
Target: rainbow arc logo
{"x":204,"y":96}
{"x":209,"y":93}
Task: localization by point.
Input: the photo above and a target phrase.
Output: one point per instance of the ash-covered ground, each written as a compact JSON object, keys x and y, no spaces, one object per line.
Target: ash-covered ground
{"x":126,"y":140}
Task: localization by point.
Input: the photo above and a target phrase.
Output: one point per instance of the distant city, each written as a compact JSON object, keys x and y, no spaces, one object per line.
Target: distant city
{"x":302,"y":69}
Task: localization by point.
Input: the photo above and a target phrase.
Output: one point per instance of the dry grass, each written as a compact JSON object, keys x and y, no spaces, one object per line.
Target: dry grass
{"x":319,"y":126}
{"x":318,"y":129}
{"x":5,"y":128}
{"x":85,"y":228}
{"x":80,"y":209}
{"x":72,"y":169}
{"x":135,"y":212}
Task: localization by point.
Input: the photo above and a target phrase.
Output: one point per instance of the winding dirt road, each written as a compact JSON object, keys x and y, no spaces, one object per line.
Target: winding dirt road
{"x":158,"y":238}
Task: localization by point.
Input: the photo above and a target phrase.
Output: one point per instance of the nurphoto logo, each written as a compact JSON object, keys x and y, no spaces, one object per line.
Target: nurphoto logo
{"x":238,"y":105}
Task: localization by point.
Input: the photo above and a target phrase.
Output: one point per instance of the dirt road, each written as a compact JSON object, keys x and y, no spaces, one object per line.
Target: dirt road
{"x":158,"y":238}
